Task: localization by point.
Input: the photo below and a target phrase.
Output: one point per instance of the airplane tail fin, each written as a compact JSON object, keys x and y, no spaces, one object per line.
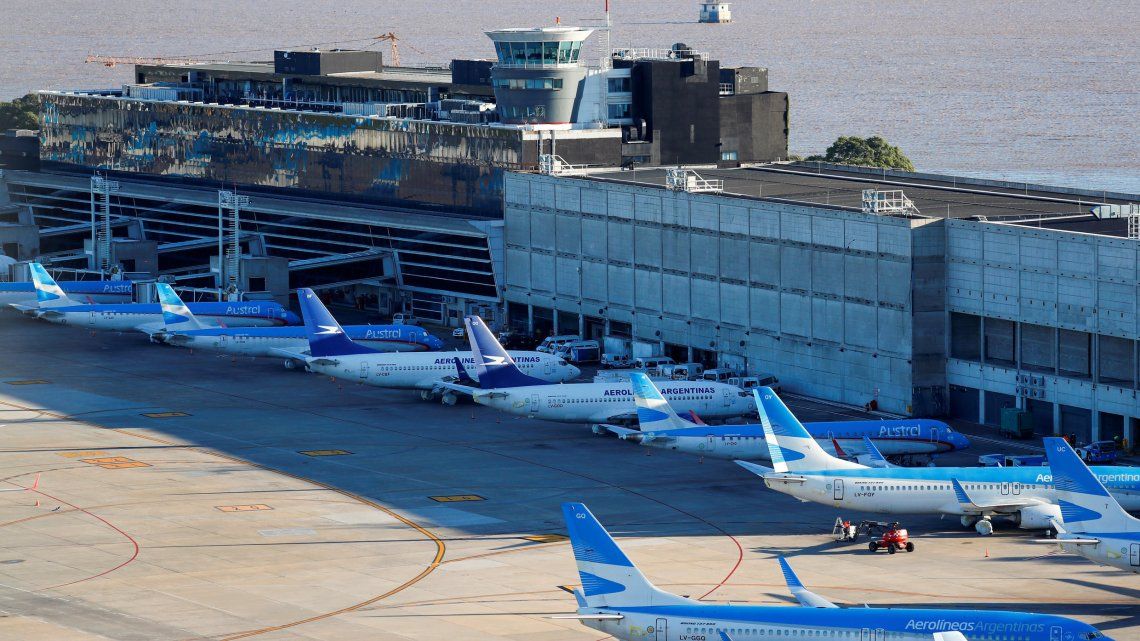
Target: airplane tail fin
{"x":653,"y":411}
{"x":609,"y":578}
{"x":48,"y":292}
{"x":494,"y":365}
{"x":1086,"y":506}
{"x":175,"y":314}
{"x":326,"y":336}
{"x":873,"y":454}
{"x":791,"y":447}
{"x":461,"y":373}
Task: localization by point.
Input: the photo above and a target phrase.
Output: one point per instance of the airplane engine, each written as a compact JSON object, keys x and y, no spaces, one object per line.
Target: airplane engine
{"x":1037,"y":517}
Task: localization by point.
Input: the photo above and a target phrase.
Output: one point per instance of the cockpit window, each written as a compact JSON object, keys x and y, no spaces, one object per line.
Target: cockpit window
{"x":562,"y":363}
{"x":1093,"y":635}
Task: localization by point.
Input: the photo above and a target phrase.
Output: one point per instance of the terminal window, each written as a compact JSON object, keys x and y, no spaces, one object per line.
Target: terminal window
{"x":619,"y":85}
{"x":999,"y":342}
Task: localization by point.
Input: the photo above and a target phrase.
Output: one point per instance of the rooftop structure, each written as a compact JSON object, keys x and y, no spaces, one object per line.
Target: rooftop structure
{"x":539,"y":74}
{"x":716,"y":12}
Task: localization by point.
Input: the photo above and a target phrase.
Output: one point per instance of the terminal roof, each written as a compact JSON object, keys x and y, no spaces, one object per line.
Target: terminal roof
{"x":934,"y":196}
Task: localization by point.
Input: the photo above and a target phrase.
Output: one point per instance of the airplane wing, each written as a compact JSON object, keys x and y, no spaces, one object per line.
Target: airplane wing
{"x":970,"y":505}
{"x":457,"y":387}
{"x":284,"y":353}
{"x":25,"y":309}
{"x":952,"y":635}
{"x":758,"y":470}
{"x":806,"y":597}
{"x":621,"y":432}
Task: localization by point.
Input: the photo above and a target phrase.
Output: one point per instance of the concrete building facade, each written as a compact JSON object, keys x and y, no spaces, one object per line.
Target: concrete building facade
{"x":962,"y":314}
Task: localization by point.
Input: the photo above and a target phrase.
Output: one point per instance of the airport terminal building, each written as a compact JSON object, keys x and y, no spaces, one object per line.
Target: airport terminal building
{"x":539,"y":190}
{"x":963,"y":298}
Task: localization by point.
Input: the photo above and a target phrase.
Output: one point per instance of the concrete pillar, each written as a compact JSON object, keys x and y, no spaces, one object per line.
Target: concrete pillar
{"x":1095,"y":421}
{"x":1056,"y":419}
{"x":582,"y":325}
{"x":530,"y":319}
{"x":555,"y":332}
{"x":982,"y":403}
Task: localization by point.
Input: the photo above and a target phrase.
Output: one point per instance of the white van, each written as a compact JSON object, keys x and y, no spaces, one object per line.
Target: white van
{"x":551,"y":343}
{"x":720,"y":374}
{"x":683,"y":371}
{"x":652,"y":364}
{"x":579,"y":351}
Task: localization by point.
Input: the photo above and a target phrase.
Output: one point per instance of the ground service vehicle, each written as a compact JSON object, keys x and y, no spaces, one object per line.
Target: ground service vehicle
{"x":892,"y":537}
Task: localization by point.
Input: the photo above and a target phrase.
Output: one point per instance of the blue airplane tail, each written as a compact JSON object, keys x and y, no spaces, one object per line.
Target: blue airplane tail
{"x":494,"y":365}
{"x":791,"y":446}
{"x":175,"y":314}
{"x":1086,"y":506}
{"x":653,"y":411}
{"x":609,"y":578}
{"x":326,"y":336}
{"x":48,"y":292}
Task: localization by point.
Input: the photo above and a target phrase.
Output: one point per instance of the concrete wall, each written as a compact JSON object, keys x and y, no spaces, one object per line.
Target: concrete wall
{"x":820,"y":296}
{"x":1058,"y":280}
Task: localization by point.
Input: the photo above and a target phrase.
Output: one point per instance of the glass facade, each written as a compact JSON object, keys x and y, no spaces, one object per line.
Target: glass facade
{"x":533,"y":54}
{"x":549,"y":84}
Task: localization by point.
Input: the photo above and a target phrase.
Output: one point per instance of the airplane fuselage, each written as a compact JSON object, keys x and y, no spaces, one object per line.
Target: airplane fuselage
{"x":106,"y":291}
{"x":266,"y":341}
{"x":607,"y":402}
{"x":701,"y":622}
{"x":129,"y":317}
{"x":1118,"y":550}
{"x":929,"y":490}
{"x":746,"y":442}
{"x":423,"y":371}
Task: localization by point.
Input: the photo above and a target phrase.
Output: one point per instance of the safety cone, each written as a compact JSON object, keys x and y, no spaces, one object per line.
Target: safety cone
{"x":987,"y":553}
{"x":37,"y":502}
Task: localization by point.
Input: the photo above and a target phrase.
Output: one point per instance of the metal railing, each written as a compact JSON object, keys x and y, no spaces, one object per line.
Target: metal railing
{"x":655,"y":53}
{"x":893,"y":202}
{"x":690,"y":181}
{"x":554,"y":165}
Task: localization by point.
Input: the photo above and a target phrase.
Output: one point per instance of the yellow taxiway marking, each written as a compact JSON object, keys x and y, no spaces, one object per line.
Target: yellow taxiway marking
{"x":243,"y":508}
{"x":546,"y":538}
{"x":82,"y":454}
{"x":115,"y":462}
{"x":325,"y":452}
{"x":33,"y":381}
{"x":457,"y":498}
{"x":165,"y":414}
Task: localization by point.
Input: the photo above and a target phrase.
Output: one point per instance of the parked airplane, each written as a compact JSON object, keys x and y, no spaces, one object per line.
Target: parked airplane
{"x":434,"y":374}
{"x":1095,"y":526}
{"x":616,"y":599}
{"x":88,"y":291}
{"x":502,"y":386}
{"x":53,"y":305}
{"x":183,"y":329}
{"x":661,"y":426}
{"x":1025,"y":495}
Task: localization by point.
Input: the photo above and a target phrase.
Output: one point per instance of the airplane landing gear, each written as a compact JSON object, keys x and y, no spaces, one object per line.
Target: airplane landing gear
{"x":969,"y":521}
{"x":427,"y":395}
{"x":449,"y":399}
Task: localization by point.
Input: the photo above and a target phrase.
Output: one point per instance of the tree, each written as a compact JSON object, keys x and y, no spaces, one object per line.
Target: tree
{"x":21,"y":113}
{"x":868,"y":152}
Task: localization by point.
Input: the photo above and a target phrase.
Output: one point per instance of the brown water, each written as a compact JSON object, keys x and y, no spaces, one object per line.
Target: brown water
{"x":1045,"y":91}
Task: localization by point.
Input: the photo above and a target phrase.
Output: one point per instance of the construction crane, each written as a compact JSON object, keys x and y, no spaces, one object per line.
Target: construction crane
{"x":391,"y":37}
{"x":111,"y":61}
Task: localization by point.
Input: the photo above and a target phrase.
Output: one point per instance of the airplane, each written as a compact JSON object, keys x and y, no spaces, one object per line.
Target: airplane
{"x":183,"y":329}
{"x":661,"y":426}
{"x":1095,"y":526}
{"x":503,"y":387}
{"x":434,"y":374}
{"x":802,"y":469}
{"x":54,"y":305}
{"x":88,"y":291}
{"x":616,"y":599}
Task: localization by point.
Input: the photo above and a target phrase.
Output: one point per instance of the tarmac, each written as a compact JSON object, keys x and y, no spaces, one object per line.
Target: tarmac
{"x":185,"y":495}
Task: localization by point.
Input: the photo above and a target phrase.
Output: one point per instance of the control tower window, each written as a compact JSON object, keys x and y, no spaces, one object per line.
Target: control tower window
{"x":565,"y":52}
{"x":534,"y":52}
{"x":549,"y":53}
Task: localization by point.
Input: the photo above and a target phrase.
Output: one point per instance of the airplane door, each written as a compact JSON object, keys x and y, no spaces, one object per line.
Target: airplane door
{"x":363,"y":370}
{"x":548,"y":366}
{"x":661,"y":630}
{"x":865,"y":635}
{"x":1016,"y":487}
{"x":710,"y":443}
{"x":1134,"y":555}
{"x":727,"y":398}
{"x":533,"y":403}
{"x":934,"y":435}
{"x":91,"y":319}
{"x":838,"y":488}
{"x":1005,"y":488}
{"x":1056,"y":633}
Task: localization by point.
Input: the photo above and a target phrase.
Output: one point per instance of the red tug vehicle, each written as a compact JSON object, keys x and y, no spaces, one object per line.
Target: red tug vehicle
{"x":893,"y":537}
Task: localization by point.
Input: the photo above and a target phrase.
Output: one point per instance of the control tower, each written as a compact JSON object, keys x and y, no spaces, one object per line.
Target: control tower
{"x":538,"y":75}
